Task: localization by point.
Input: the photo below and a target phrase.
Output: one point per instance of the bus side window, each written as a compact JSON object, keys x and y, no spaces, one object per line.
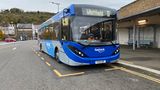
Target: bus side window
{"x":56,"y":28}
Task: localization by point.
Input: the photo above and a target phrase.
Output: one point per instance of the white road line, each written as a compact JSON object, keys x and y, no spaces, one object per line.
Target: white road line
{"x":14,"y":48}
{"x":140,"y":67}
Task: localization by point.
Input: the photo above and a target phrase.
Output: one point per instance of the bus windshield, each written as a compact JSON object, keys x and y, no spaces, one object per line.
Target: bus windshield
{"x":92,"y":30}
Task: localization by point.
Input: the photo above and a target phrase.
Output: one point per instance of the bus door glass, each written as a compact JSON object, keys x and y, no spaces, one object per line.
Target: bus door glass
{"x":65,"y":33}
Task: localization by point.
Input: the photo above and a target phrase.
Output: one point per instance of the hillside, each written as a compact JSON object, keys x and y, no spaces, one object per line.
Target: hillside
{"x":16,"y":15}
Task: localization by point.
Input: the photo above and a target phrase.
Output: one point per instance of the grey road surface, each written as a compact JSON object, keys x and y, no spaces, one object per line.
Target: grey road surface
{"x":22,"y":69}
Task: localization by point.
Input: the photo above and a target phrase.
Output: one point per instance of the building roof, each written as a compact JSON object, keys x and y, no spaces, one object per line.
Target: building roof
{"x":139,"y":8}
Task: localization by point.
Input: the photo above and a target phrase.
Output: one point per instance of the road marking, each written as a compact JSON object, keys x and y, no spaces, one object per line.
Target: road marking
{"x":66,"y":75}
{"x":48,"y":63}
{"x":111,"y":69}
{"x":42,"y":58}
{"x":73,"y":74}
{"x":38,"y":54}
{"x":140,"y":67}
{"x":57,"y":73}
{"x":33,"y":49}
{"x":126,"y":61}
{"x":139,"y":74}
{"x":14,"y":48}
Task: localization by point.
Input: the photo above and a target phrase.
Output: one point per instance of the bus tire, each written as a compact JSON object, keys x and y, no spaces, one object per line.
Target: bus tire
{"x":40,"y":48}
{"x":57,"y":56}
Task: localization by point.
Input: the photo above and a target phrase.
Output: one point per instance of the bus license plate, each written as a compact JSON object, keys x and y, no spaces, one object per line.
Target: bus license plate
{"x":100,"y":62}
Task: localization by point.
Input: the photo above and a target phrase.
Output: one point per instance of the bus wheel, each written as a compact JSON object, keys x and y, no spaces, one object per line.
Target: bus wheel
{"x":57,"y":56}
{"x":40,"y":48}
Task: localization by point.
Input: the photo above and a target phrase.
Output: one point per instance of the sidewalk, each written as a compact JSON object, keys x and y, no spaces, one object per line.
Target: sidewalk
{"x":5,"y":43}
{"x":145,"y":57}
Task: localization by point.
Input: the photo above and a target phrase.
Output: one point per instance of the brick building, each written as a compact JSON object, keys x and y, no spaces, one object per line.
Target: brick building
{"x":139,"y":23}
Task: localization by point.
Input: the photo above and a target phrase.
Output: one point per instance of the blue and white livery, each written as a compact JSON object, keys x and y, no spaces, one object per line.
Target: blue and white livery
{"x":81,"y":35}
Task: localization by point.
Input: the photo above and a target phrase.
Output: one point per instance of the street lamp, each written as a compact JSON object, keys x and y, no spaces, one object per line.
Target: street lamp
{"x":56,"y":4}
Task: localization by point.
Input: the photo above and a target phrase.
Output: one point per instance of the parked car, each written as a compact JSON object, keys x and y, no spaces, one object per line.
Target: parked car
{"x":10,"y":40}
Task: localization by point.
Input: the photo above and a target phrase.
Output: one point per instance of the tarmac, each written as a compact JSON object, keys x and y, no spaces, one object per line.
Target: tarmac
{"x":147,"y":59}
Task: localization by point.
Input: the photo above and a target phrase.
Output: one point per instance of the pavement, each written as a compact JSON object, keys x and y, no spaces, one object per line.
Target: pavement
{"x":23,"y":67}
{"x":5,"y":43}
{"x":146,"y":57}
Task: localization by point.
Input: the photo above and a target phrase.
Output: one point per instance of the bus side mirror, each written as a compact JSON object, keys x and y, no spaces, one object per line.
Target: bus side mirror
{"x":66,"y":10}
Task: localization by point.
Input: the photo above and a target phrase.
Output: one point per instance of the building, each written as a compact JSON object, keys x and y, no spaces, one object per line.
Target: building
{"x":139,"y":24}
{"x":20,"y":31}
{"x":8,"y":30}
{"x":24,"y":31}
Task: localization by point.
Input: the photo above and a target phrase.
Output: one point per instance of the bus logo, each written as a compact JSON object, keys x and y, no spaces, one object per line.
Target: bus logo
{"x":100,"y":50}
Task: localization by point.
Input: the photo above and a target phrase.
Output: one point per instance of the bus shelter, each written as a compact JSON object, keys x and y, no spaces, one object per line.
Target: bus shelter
{"x":140,"y":27}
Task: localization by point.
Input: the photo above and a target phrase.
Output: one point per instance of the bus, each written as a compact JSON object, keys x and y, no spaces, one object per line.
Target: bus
{"x":81,"y":34}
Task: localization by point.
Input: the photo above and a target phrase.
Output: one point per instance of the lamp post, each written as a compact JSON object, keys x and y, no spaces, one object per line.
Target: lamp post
{"x":56,"y":4}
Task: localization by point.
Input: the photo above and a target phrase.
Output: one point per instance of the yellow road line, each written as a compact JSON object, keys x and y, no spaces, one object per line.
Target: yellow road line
{"x":127,"y":61}
{"x":48,"y":63}
{"x":111,"y":69}
{"x":73,"y":74}
{"x":139,"y":74}
{"x":57,"y":73}
{"x":42,"y":58}
{"x":66,"y":75}
{"x":38,"y":54}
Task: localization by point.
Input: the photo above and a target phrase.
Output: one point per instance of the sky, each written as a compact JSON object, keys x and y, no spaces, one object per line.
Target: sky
{"x":45,"y":5}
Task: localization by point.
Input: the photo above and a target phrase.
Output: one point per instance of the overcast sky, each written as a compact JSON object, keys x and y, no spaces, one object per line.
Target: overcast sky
{"x":45,"y":5}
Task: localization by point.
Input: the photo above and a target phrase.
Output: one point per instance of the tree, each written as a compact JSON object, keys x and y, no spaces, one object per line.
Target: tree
{"x":5,"y":11}
{"x":16,"y":15}
{"x":1,"y":35}
{"x":16,"y":10}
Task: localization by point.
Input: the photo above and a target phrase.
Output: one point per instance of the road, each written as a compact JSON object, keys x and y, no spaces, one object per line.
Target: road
{"x":23,"y":67}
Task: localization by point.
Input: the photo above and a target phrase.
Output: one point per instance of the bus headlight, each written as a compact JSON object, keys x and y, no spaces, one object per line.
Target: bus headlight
{"x":76,"y":51}
{"x":116,"y":51}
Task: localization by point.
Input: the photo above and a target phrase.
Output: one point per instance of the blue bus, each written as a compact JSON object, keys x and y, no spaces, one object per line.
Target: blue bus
{"x":81,"y":34}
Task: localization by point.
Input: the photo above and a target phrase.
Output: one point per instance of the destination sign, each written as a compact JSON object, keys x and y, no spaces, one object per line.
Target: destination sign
{"x":95,"y":12}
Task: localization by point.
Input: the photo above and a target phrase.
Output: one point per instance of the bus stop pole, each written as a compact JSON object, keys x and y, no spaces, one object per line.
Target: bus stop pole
{"x":134,"y":29}
{"x":138,"y":37}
